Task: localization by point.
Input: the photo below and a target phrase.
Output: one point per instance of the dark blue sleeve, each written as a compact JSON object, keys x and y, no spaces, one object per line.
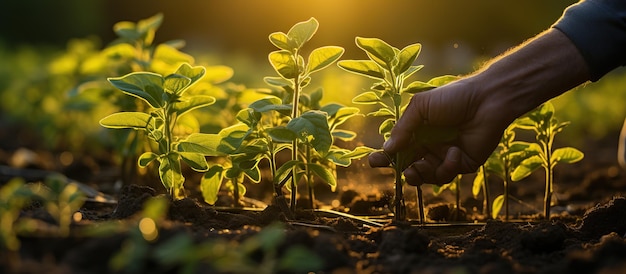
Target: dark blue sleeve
{"x":598,"y":29}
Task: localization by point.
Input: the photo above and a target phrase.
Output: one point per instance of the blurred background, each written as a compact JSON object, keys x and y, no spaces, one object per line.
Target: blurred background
{"x":36,"y":38}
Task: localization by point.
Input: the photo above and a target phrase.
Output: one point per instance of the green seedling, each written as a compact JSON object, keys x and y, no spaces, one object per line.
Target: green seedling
{"x":260,"y":253}
{"x":14,"y":195}
{"x":310,"y":127}
{"x":542,"y":154}
{"x":61,"y":200}
{"x":505,"y":158}
{"x":391,"y":67}
{"x":242,"y":160}
{"x":165,"y":96}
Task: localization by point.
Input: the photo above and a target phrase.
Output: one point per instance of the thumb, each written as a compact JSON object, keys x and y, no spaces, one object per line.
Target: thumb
{"x":408,"y":123}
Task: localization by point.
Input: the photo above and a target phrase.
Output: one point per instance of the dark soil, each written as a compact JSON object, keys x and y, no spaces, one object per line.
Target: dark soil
{"x":585,"y":234}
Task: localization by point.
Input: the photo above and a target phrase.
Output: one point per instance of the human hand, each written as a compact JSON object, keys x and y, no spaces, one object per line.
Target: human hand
{"x":476,"y":122}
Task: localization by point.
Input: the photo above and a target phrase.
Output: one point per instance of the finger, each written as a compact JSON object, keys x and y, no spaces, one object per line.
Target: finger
{"x":431,"y":170}
{"x":450,"y":167}
{"x":420,"y":172}
{"x":379,"y":159}
{"x":409,"y":122}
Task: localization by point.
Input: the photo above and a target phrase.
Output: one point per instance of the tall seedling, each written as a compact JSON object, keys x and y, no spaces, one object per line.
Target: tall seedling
{"x":165,"y":96}
{"x":501,"y":163}
{"x":309,"y":128}
{"x":541,"y":154}
{"x":391,"y":67}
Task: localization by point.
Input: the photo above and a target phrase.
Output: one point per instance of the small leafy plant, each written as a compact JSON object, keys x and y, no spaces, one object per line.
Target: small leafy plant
{"x":542,"y":154}
{"x":391,"y":67}
{"x":165,"y":96}
{"x":309,"y":128}
{"x":14,"y":195}
{"x":61,"y":200}
{"x":502,"y":162}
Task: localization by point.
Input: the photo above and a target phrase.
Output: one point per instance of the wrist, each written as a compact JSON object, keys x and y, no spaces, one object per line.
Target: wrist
{"x":530,"y":75}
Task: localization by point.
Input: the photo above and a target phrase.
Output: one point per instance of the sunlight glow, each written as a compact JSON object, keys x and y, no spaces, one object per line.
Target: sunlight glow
{"x":148,"y":229}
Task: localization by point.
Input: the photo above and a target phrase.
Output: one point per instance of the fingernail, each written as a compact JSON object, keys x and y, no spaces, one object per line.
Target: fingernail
{"x":388,"y":144}
{"x":453,"y":154}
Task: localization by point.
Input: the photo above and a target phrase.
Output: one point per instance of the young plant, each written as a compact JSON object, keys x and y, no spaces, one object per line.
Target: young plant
{"x":61,"y":200}
{"x":391,"y":67}
{"x":165,"y":95}
{"x":541,"y":154}
{"x":242,"y":160}
{"x":501,"y":163}
{"x":14,"y":195}
{"x":308,"y":128}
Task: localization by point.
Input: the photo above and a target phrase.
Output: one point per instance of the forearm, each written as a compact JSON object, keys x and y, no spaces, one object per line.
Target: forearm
{"x":530,"y":74}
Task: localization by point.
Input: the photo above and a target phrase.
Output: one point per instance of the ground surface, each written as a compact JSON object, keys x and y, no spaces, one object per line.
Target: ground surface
{"x":585,"y":234}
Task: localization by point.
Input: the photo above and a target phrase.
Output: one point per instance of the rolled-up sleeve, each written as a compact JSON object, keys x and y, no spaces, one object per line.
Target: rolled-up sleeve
{"x":598,"y":29}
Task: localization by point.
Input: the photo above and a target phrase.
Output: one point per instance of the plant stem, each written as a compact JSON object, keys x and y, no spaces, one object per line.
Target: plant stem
{"x":507,"y":180}
{"x":458,"y":197}
{"x":420,"y":205}
{"x":309,"y":178}
{"x":486,"y":205}
{"x":548,"y":194}
{"x":294,"y":143}
{"x":235,"y":182}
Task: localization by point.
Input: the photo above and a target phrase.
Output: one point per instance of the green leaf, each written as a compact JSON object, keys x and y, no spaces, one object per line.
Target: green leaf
{"x":201,"y":143}
{"x":211,"y":183}
{"x":232,"y":138}
{"x":149,"y":25}
{"x":411,"y":71}
{"x":442,"y":80}
{"x":313,"y":123}
{"x":343,"y":114}
{"x":254,"y":174}
{"x":134,"y":120}
{"x":364,"y":67}
{"x":283,"y":171}
{"x":280,"y":40}
{"x":147,"y":86}
{"x":358,"y":152}
{"x":281,"y":134}
{"x":386,"y":126}
{"x":189,"y":103}
{"x":193,"y":73}
{"x":567,"y":155}
{"x":145,"y":159}
{"x":344,"y":135}
{"x":498,"y":203}
{"x":218,"y":74}
{"x":377,"y":50}
{"x":196,"y":161}
{"x":278,"y":82}
{"x":284,"y":63}
{"x":171,"y":174}
{"x":366,"y":98}
{"x":382,"y":112}
{"x":417,"y":86}
{"x":127,"y":30}
{"x":176,"y":83}
{"x":302,"y":32}
{"x":249,"y":117}
{"x":477,"y":185}
{"x":526,"y":167}
{"x":406,"y":57}
{"x":323,"y":57}
{"x":324,"y":174}
{"x":335,"y":155}
{"x":268,"y":104}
